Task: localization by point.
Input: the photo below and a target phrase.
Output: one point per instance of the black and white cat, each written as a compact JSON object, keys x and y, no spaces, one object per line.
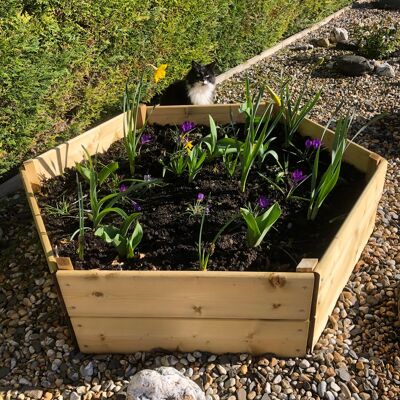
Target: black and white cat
{"x":198,"y":87}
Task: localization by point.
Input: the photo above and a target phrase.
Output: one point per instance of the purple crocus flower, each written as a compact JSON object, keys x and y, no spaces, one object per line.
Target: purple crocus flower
{"x":146,"y":138}
{"x":309,"y":143}
{"x":263,"y":201}
{"x":187,"y":126}
{"x":200,"y":196}
{"x":123,"y":188}
{"x":136,"y":206}
{"x":316,"y":143}
{"x":298,"y":176}
{"x":313,"y":143}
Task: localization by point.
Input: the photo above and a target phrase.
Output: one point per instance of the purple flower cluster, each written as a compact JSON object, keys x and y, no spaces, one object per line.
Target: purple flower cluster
{"x":313,"y":143}
{"x":298,"y":176}
{"x":187,"y":126}
{"x":200,"y":196}
{"x":264,"y":202}
{"x":123,"y":188}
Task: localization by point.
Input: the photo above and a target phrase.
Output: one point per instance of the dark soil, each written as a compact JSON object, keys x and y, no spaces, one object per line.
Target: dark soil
{"x":171,"y":234}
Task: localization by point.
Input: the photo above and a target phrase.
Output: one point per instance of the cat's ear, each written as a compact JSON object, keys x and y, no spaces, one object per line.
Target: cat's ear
{"x":195,"y":65}
{"x":211,"y":66}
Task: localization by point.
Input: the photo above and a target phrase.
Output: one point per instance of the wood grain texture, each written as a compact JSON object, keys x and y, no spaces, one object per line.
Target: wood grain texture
{"x":336,"y":265}
{"x":307,"y":265}
{"x":127,"y":335}
{"x":38,"y":220}
{"x":355,"y":154}
{"x":175,"y":115}
{"x":187,"y":294}
{"x":96,"y":140}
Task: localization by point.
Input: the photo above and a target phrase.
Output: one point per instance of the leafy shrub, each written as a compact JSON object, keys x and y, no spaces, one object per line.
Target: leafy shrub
{"x":377,"y":40}
{"x":63,"y":65}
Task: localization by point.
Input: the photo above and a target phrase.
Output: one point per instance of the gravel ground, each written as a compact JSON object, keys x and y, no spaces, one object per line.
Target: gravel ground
{"x":356,"y":357}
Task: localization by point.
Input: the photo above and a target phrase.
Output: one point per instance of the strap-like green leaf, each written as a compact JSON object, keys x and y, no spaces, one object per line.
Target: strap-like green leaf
{"x":134,"y":240}
{"x":107,"y":211}
{"x":106,"y":171}
{"x":266,"y":220}
{"x":128,"y":222}
{"x":253,"y":231}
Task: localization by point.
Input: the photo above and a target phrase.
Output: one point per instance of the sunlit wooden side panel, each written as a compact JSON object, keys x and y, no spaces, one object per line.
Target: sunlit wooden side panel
{"x":96,"y":140}
{"x":336,"y":265}
{"x":175,"y":115}
{"x":355,"y":154}
{"x":37,"y":218}
{"x":262,"y":295}
{"x":127,"y":335}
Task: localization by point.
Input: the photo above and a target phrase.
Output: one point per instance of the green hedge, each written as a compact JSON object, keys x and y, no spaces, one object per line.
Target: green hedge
{"x":63,"y":64}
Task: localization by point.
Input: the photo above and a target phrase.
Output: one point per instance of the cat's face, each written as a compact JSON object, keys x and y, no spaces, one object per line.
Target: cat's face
{"x":201,"y":74}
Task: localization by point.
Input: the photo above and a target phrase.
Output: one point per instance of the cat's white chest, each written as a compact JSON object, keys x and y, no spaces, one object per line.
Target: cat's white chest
{"x":200,"y":94}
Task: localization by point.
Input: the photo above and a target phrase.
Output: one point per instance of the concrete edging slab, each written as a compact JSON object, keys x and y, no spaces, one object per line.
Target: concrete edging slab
{"x":274,"y":49}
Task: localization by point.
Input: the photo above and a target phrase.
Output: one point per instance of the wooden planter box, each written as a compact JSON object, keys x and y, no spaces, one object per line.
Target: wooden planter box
{"x":219,"y":312}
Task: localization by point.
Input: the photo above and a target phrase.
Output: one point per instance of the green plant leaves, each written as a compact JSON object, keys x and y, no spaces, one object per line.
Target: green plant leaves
{"x":107,"y":171}
{"x":258,"y":226}
{"x":119,"y":238}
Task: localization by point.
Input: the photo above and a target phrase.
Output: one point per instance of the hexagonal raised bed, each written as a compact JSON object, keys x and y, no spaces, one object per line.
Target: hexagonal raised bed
{"x":256,"y":312}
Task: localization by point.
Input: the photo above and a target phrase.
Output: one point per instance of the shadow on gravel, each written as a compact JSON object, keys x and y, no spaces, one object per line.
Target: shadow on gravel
{"x":367,"y":5}
{"x":382,"y":137}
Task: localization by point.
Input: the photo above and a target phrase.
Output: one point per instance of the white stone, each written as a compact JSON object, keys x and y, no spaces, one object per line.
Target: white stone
{"x":339,"y":35}
{"x":384,"y":69}
{"x":164,"y":383}
{"x":74,"y":396}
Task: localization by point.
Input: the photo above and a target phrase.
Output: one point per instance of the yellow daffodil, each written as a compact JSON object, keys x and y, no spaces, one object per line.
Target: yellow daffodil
{"x":188,"y":145}
{"x":160,"y":73}
{"x":274,"y":96}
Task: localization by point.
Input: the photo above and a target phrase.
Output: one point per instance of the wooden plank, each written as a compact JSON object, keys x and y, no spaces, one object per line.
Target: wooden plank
{"x":187,"y":294}
{"x":37,"y":218}
{"x":175,"y":115}
{"x":98,"y":139}
{"x":336,"y":265}
{"x":307,"y":265}
{"x":355,"y":154}
{"x":64,"y":263}
{"x":127,"y":335}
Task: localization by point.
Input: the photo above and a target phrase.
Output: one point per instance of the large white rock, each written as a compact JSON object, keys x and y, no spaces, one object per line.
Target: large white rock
{"x":339,"y":35}
{"x":164,"y":383}
{"x":384,"y":69}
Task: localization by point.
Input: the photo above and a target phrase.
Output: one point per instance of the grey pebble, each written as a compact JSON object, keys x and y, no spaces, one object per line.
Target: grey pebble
{"x":230,"y":383}
{"x":334,"y":386}
{"x":345,"y":391}
{"x":304,"y":364}
{"x":344,"y":374}
{"x":329,"y":395}
{"x":74,"y":396}
{"x":322,"y":389}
